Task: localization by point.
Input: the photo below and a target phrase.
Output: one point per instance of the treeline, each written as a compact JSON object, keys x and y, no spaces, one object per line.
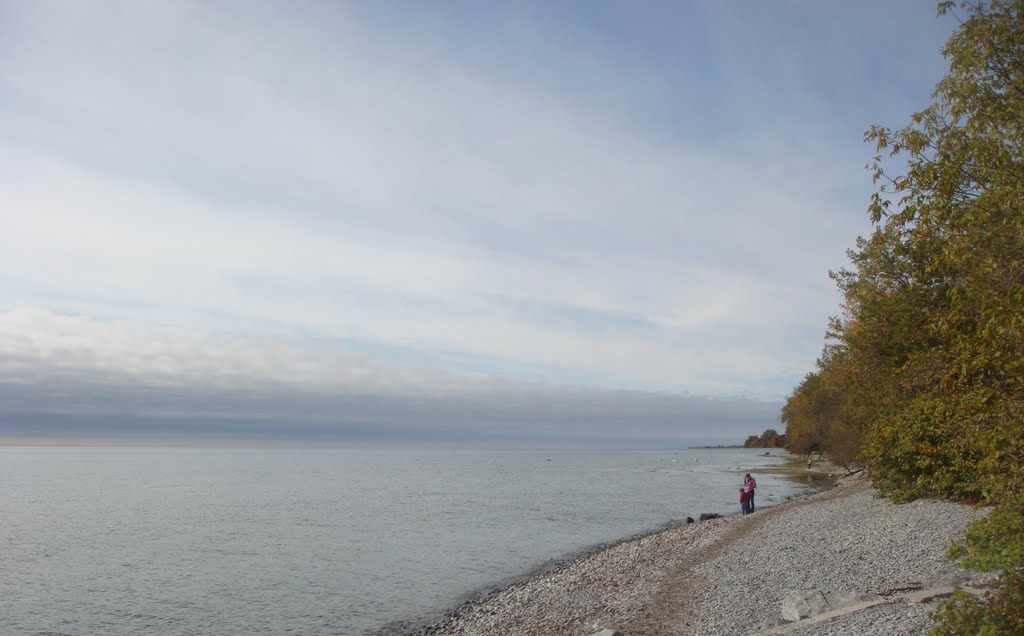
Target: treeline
{"x":768,"y":439}
{"x":922,"y":379}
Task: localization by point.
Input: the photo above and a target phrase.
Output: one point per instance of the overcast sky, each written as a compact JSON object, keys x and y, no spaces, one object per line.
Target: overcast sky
{"x":524,"y":222}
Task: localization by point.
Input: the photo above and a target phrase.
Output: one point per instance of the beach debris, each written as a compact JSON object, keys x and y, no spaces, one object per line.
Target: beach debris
{"x":926,"y":596}
{"x":912,"y":587}
{"x":706,"y":516}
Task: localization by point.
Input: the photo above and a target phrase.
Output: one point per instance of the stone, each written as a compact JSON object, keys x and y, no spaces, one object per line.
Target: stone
{"x":801,"y":604}
{"x":772,"y":622}
{"x":607,"y":632}
{"x":705,"y":516}
{"x":689,"y":520}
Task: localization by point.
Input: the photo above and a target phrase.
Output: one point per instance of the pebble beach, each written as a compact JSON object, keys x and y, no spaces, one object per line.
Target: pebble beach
{"x":876,"y":568}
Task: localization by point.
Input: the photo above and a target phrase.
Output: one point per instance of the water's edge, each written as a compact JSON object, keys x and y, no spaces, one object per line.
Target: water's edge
{"x":815,"y":480}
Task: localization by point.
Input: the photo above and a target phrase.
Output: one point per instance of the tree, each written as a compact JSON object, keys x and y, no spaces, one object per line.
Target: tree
{"x":948,"y":263}
{"x":817,"y":416}
{"x":768,"y":439}
{"x":925,"y":367}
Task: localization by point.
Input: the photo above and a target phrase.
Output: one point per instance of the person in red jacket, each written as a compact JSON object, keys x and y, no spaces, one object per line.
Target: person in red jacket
{"x":744,"y":503}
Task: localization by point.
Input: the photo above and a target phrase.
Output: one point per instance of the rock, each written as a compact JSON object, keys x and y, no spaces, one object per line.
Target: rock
{"x":772,"y":623}
{"x":800,"y":604}
{"x":705,"y":516}
{"x":689,"y":520}
{"x":607,"y":632}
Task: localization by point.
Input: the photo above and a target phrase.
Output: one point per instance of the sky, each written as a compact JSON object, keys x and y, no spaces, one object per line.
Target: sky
{"x":530,"y":223}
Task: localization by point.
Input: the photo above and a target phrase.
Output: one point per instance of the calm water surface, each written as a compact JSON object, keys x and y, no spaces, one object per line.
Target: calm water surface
{"x":173,"y":541}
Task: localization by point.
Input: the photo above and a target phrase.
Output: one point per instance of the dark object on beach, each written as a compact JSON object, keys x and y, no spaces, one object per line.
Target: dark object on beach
{"x":689,"y":520}
{"x":705,"y":516}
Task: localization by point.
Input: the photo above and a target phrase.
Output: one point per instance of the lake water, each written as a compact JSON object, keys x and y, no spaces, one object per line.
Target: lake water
{"x":176,"y":541}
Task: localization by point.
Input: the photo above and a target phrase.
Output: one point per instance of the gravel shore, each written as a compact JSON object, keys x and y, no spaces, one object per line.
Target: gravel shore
{"x":729,"y":576}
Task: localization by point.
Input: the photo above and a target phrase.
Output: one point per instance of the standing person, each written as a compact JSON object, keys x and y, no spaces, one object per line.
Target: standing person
{"x":744,"y":504}
{"x":750,"y":484}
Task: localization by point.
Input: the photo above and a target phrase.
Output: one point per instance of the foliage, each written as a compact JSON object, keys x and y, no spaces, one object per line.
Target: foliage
{"x":998,"y":613}
{"x":768,"y":439}
{"x":923,"y":377}
{"x":992,"y":544}
{"x":813,"y":415}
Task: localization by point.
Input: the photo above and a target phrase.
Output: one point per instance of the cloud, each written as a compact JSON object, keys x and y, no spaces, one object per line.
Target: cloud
{"x":99,"y":238}
{"x":77,"y":377}
{"x":635,"y":201}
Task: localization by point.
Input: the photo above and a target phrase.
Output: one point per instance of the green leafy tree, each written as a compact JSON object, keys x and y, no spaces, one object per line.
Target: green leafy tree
{"x":924,"y":374}
{"x":952,"y":226}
